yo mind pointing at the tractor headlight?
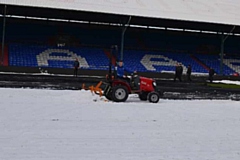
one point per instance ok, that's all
(154, 84)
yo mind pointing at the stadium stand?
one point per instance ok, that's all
(213, 61)
(95, 58)
(146, 50)
(56, 57)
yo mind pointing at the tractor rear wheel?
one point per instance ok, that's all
(119, 93)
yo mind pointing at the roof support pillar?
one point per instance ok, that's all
(223, 39)
(125, 26)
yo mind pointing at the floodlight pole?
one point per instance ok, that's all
(123, 34)
(223, 39)
(3, 36)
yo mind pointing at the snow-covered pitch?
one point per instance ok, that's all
(69, 125)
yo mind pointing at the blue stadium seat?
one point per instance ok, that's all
(95, 58)
(33, 56)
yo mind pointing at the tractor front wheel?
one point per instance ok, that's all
(153, 97)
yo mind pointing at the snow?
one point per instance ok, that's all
(228, 82)
(214, 11)
(59, 125)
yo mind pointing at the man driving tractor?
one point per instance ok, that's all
(120, 69)
(119, 86)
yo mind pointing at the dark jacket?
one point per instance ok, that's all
(179, 70)
(76, 64)
(189, 70)
(211, 72)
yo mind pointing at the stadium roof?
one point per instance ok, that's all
(214, 15)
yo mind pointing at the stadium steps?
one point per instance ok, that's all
(5, 55)
(108, 54)
(200, 62)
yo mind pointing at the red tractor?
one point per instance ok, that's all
(117, 90)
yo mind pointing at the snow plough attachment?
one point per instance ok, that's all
(94, 89)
